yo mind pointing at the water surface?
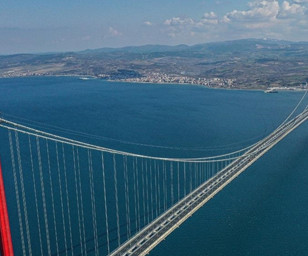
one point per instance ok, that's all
(263, 212)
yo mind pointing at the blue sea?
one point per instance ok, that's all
(262, 212)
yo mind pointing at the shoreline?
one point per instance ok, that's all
(91, 77)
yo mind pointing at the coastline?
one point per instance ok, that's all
(91, 77)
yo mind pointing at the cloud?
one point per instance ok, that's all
(114, 32)
(264, 14)
(261, 11)
(210, 15)
(262, 18)
(148, 23)
(300, 1)
(179, 21)
(260, 14)
(288, 10)
(209, 18)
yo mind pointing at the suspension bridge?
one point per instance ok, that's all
(76, 198)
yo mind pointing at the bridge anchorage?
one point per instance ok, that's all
(75, 198)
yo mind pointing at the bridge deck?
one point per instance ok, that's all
(144, 241)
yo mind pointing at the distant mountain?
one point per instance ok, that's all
(243, 45)
(140, 49)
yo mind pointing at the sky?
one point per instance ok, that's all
(34, 26)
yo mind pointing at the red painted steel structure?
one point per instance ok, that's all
(6, 245)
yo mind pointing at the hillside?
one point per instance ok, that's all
(250, 63)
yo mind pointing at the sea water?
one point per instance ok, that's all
(262, 212)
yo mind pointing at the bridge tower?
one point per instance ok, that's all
(6, 246)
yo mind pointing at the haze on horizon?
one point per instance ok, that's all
(33, 26)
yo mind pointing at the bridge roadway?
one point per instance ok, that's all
(151, 235)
